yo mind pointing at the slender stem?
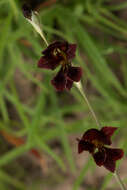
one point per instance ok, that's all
(44, 39)
(80, 88)
(122, 186)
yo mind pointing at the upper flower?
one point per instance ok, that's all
(94, 141)
(61, 53)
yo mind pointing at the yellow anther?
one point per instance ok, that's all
(97, 143)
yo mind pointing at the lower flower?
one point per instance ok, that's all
(95, 142)
(107, 157)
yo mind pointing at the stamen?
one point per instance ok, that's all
(58, 52)
(97, 143)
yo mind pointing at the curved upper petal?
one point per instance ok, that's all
(99, 135)
(108, 132)
(91, 134)
(68, 49)
(62, 45)
(74, 73)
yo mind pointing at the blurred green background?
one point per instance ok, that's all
(49, 121)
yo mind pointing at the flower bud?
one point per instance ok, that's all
(27, 11)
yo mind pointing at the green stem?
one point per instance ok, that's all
(80, 88)
(122, 186)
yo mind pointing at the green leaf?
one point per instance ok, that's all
(4, 34)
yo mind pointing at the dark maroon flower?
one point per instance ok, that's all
(95, 142)
(27, 12)
(61, 54)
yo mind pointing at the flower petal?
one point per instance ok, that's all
(91, 134)
(112, 154)
(68, 49)
(47, 63)
(100, 157)
(110, 165)
(63, 46)
(108, 132)
(71, 51)
(69, 84)
(82, 145)
(99, 137)
(59, 81)
(74, 73)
